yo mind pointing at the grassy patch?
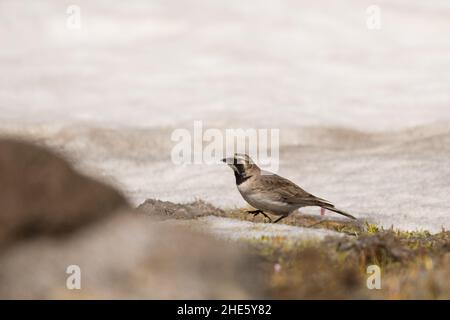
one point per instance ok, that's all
(413, 264)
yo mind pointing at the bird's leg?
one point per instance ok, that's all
(322, 211)
(265, 215)
(282, 217)
(256, 212)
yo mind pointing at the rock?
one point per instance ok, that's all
(130, 256)
(170, 210)
(47, 211)
(40, 193)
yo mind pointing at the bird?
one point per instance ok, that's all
(269, 193)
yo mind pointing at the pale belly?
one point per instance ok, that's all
(267, 205)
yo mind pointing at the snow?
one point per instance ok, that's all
(364, 115)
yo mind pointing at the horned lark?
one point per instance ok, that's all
(270, 193)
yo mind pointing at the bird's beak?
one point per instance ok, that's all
(228, 160)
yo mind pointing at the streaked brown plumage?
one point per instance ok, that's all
(270, 193)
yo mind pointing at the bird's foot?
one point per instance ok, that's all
(322, 211)
(256, 212)
(267, 219)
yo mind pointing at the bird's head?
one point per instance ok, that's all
(242, 165)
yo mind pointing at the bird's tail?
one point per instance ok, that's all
(331, 207)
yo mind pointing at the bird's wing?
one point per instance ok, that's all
(278, 188)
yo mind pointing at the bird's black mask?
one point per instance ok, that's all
(239, 169)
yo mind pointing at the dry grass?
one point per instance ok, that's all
(414, 265)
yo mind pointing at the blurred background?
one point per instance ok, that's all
(363, 112)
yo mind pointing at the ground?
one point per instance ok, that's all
(312, 257)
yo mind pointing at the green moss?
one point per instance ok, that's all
(372, 228)
(414, 264)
